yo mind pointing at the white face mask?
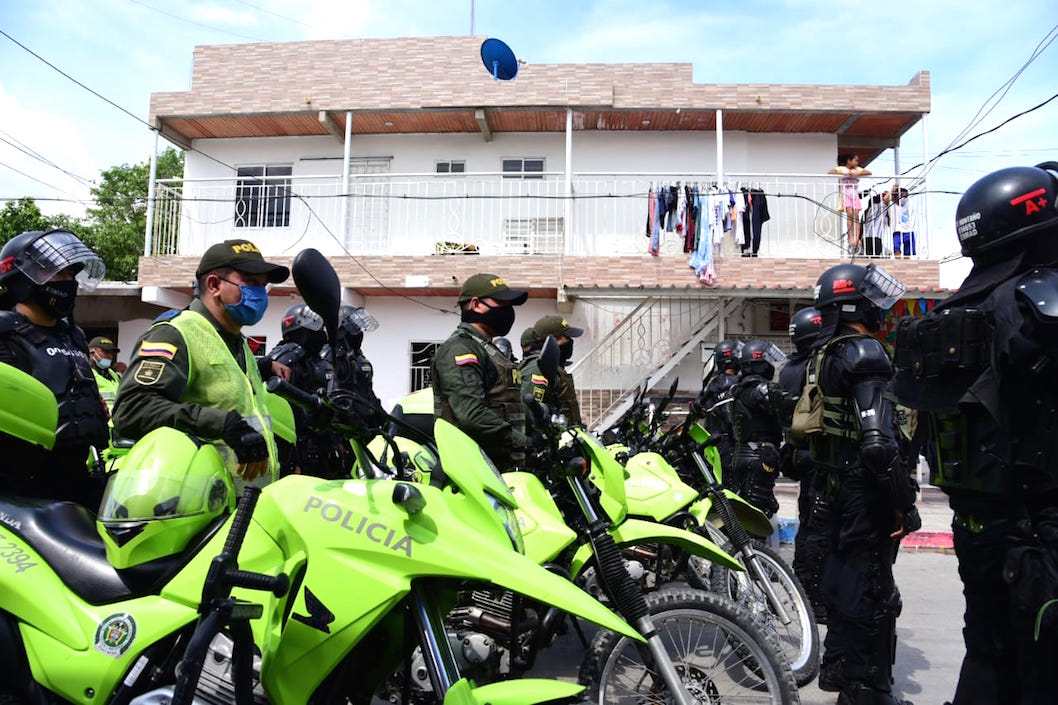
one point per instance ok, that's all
(104, 363)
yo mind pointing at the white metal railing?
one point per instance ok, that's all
(416, 214)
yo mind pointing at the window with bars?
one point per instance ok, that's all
(422, 354)
(523, 168)
(451, 167)
(262, 196)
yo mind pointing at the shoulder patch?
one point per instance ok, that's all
(466, 359)
(149, 372)
(151, 349)
(539, 380)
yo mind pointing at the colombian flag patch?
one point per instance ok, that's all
(467, 359)
(539, 379)
(149, 349)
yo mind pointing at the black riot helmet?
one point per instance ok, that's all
(29, 260)
(760, 358)
(353, 322)
(303, 326)
(852, 292)
(999, 211)
(726, 354)
(804, 327)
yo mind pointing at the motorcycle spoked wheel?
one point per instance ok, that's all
(721, 651)
(799, 640)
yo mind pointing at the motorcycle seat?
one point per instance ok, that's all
(64, 534)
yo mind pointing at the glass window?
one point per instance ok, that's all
(421, 358)
(452, 167)
(523, 168)
(262, 196)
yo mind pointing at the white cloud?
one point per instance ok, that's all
(57, 138)
(212, 13)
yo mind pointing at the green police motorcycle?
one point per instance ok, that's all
(701, 648)
(313, 591)
(674, 477)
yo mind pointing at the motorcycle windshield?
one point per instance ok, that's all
(610, 472)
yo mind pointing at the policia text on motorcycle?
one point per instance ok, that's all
(193, 370)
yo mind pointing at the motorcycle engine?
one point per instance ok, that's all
(215, 685)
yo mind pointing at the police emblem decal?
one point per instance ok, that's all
(115, 634)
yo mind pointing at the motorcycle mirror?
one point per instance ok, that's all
(318, 284)
(665, 402)
(548, 360)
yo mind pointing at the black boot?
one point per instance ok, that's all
(863, 694)
(832, 675)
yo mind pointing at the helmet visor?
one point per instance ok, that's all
(57, 250)
(310, 320)
(881, 288)
(363, 320)
(774, 355)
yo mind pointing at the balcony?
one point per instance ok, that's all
(485, 213)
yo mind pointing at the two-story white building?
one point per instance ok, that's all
(411, 168)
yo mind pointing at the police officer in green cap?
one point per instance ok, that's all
(476, 386)
(193, 369)
(560, 395)
(101, 352)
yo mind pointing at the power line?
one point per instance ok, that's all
(42, 159)
(275, 14)
(178, 18)
(33, 178)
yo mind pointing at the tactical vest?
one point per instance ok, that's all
(838, 444)
(58, 357)
(503, 395)
(108, 388)
(215, 380)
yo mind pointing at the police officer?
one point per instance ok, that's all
(810, 545)
(713, 404)
(980, 371)
(477, 387)
(561, 396)
(872, 496)
(353, 371)
(757, 426)
(101, 352)
(323, 455)
(193, 370)
(40, 273)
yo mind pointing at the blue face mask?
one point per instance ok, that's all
(251, 307)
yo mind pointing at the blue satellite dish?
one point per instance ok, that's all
(499, 59)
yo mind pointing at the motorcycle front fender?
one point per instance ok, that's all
(520, 691)
(755, 521)
(636, 531)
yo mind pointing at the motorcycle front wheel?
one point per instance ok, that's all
(720, 651)
(798, 640)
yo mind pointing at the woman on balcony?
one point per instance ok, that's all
(850, 171)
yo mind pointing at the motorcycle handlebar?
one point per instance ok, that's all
(298, 397)
(275, 584)
(241, 522)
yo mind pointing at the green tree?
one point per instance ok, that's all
(118, 219)
(18, 217)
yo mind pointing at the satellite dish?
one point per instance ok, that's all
(499, 59)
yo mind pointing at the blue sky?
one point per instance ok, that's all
(127, 49)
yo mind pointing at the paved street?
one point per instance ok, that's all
(929, 651)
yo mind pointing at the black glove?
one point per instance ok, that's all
(248, 443)
(535, 442)
(912, 520)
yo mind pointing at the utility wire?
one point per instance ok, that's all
(42, 159)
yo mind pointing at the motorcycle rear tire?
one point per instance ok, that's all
(721, 651)
(799, 641)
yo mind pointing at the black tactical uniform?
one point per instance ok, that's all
(757, 428)
(325, 455)
(871, 494)
(57, 355)
(352, 370)
(713, 404)
(476, 386)
(810, 545)
(979, 370)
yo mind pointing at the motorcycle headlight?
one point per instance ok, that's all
(509, 521)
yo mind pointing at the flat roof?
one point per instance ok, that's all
(439, 85)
